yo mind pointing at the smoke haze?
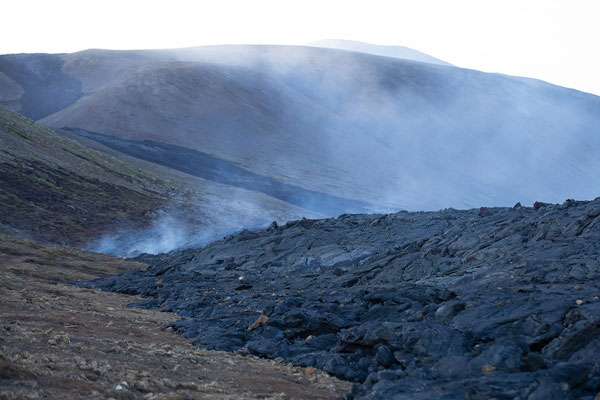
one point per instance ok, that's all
(351, 132)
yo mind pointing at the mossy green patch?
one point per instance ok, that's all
(66, 276)
(18, 132)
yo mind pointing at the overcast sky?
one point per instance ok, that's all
(553, 40)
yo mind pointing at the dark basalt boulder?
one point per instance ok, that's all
(485, 303)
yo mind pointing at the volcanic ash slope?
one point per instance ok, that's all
(392, 132)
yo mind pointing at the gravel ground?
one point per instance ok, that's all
(60, 341)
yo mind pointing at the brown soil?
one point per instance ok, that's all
(67, 206)
(59, 341)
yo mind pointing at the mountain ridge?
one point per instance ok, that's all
(394, 51)
(390, 132)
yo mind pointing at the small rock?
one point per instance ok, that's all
(310, 370)
(384, 356)
(116, 349)
(142, 385)
(538, 204)
(488, 368)
(449, 309)
(485, 212)
(261, 321)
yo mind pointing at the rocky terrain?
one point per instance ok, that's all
(62, 342)
(155, 150)
(485, 303)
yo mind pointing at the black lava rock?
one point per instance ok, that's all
(485, 303)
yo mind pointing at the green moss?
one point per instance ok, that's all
(93, 267)
(43, 181)
(34, 245)
(65, 276)
(18, 132)
(22, 118)
(7, 196)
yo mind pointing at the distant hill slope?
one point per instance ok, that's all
(53, 189)
(390, 132)
(44, 87)
(405, 53)
(213, 169)
(10, 92)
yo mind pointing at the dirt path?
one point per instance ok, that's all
(59, 341)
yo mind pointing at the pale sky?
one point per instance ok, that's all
(553, 40)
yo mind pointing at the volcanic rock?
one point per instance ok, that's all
(428, 305)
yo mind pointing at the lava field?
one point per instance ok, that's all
(484, 303)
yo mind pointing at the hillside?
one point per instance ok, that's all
(388, 133)
(54, 189)
(489, 303)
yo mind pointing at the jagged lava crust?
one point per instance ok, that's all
(476, 304)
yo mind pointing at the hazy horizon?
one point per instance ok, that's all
(548, 40)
